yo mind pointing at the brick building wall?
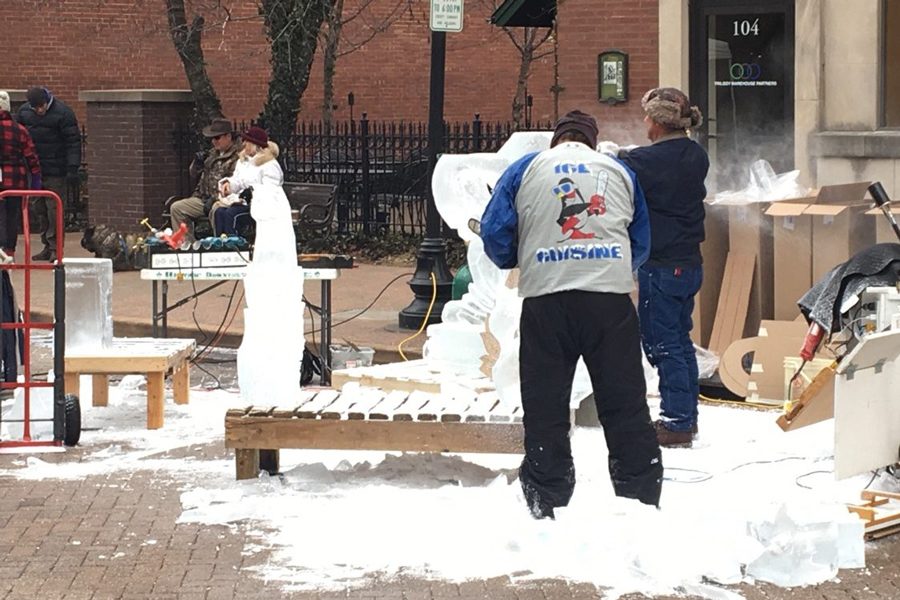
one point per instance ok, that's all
(133, 166)
(123, 44)
(589, 27)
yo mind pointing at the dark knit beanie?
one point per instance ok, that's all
(671, 108)
(37, 96)
(578, 121)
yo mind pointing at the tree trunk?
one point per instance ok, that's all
(520, 99)
(332, 40)
(292, 27)
(187, 43)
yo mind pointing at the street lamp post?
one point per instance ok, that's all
(431, 259)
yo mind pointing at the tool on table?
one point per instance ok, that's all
(811, 342)
(167, 236)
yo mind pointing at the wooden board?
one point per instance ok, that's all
(814, 405)
(405, 436)
(132, 355)
(409, 376)
(880, 511)
(734, 300)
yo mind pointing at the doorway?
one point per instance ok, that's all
(742, 78)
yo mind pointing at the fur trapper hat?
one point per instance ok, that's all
(671, 108)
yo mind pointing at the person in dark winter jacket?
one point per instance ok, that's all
(54, 129)
(672, 171)
(575, 223)
(219, 163)
(19, 169)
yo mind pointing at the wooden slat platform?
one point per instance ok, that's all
(153, 357)
(368, 419)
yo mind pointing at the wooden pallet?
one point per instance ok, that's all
(154, 357)
(372, 419)
(880, 511)
(415, 375)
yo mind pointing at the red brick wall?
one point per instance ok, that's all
(587, 28)
(133, 166)
(123, 44)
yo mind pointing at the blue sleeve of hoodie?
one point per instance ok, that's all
(639, 230)
(500, 222)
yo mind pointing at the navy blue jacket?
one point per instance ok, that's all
(56, 136)
(672, 173)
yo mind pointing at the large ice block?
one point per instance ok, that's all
(89, 322)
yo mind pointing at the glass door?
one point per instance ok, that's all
(742, 78)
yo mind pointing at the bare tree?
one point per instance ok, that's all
(292, 27)
(532, 39)
(187, 40)
(336, 44)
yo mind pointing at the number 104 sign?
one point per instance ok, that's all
(446, 15)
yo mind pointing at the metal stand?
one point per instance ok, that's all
(160, 310)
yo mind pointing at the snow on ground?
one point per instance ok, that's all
(747, 502)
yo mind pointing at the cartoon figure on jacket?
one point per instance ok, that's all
(575, 212)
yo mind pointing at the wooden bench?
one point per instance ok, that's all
(314, 204)
(371, 419)
(154, 357)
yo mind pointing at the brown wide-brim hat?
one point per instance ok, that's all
(218, 127)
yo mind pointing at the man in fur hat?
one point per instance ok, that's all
(672, 171)
(574, 221)
(218, 165)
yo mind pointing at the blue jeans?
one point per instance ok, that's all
(665, 306)
(227, 218)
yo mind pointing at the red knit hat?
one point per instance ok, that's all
(256, 135)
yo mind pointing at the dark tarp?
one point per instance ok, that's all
(875, 266)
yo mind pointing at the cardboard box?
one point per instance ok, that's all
(714, 250)
(835, 227)
(792, 242)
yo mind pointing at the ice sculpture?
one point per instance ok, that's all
(89, 322)
(462, 184)
(272, 348)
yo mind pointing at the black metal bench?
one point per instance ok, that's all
(314, 204)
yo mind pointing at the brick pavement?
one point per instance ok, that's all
(116, 536)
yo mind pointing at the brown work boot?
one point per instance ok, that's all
(45, 254)
(672, 439)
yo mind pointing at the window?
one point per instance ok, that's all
(891, 63)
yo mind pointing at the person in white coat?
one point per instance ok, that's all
(271, 351)
(256, 166)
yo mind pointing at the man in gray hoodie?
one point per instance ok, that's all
(575, 223)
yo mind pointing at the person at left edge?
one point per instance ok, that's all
(575, 222)
(57, 139)
(18, 160)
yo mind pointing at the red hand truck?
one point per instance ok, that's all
(66, 408)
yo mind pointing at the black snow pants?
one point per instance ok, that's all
(603, 328)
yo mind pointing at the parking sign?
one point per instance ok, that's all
(446, 15)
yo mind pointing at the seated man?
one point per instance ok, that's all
(219, 164)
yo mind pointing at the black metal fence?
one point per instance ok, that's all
(380, 168)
